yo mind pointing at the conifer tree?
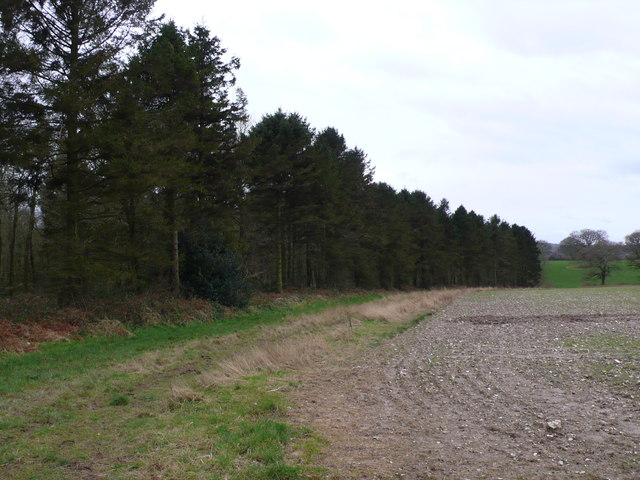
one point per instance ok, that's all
(281, 169)
(527, 267)
(344, 174)
(61, 55)
(175, 149)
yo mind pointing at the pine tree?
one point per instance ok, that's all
(528, 269)
(170, 149)
(338, 258)
(427, 237)
(219, 112)
(280, 171)
(62, 55)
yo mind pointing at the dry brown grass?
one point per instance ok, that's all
(181, 394)
(337, 324)
(301, 341)
(404, 307)
(397, 308)
(292, 353)
(153, 362)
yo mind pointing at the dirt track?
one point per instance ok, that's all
(511, 385)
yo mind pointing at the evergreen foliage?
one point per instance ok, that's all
(210, 270)
(120, 135)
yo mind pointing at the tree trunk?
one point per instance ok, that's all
(12, 245)
(279, 285)
(174, 247)
(175, 263)
(29, 270)
(291, 271)
(73, 282)
(310, 279)
(130, 214)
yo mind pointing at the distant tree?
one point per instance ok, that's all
(569, 248)
(389, 236)
(596, 251)
(546, 250)
(471, 250)
(573, 247)
(632, 243)
(528, 268)
(427, 237)
(599, 258)
(337, 247)
(280, 174)
(590, 237)
(503, 252)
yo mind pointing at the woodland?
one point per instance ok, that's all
(128, 163)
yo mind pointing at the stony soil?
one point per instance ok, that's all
(541, 384)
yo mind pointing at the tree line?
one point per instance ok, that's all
(128, 162)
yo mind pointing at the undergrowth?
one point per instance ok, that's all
(27, 321)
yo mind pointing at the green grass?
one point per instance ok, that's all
(571, 274)
(60, 361)
(379, 331)
(231, 432)
(136, 407)
(75, 409)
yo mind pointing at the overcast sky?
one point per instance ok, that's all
(529, 109)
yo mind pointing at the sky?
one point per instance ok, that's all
(528, 109)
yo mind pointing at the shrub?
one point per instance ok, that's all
(210, 270)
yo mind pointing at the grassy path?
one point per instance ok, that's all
(109, 407)
(150, 406)
(62, 361)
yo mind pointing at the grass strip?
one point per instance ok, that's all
(60, 361)
(381, 330)
(122, 423)
(233, 432)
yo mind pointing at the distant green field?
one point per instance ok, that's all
(571, 274)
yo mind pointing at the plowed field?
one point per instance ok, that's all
(515, 384)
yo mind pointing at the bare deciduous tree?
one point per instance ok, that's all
(632, 243)
(595, 249)
(599, 258)
(546, 250)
